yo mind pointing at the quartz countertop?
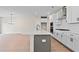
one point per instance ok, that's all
(42, 33)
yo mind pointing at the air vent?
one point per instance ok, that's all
(43, 16)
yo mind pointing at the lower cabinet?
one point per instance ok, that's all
(42, 43)
(63, 38)
(67, 40)
(70, 41)
(58, 36)
(76, 44)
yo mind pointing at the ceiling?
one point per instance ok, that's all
(27, 10)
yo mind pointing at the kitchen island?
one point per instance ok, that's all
(42, 42)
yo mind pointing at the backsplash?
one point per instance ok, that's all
(72, 27)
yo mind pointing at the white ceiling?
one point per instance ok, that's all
(27, 10)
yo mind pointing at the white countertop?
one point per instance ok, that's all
(45, 33)
(42, 33)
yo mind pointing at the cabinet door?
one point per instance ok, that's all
(58, 36)
(76, 43)
(63, 38)
(60, 13)
(75, 14)
(72, 14)
(70, 41)
(69, 14)
(42, 43)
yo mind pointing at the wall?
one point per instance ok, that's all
(21, 25)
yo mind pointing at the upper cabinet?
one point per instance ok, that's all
(72, 14)
(61, 13)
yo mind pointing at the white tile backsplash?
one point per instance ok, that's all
(74, 28)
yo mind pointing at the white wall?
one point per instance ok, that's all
(21, 25)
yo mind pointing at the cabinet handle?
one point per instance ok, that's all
(43, 40)
(71, 39)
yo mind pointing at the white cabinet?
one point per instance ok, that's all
(73, 42)
(76, 43)
(58, 35)
(69, 14)
(70, 41)
(60, 13)
(72, 14)
(67, 39)
(64, 38)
